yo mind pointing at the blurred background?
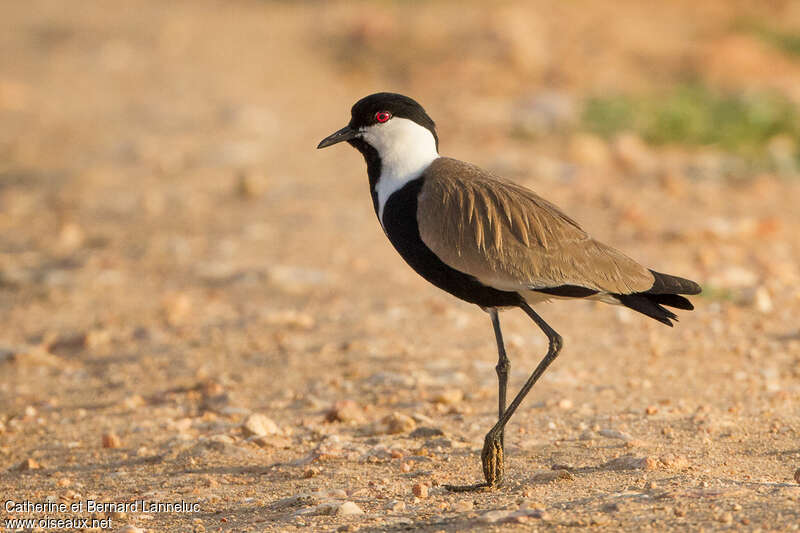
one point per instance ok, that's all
(170, 237)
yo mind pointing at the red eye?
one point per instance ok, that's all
(382, 116)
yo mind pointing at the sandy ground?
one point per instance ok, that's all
(197, 306)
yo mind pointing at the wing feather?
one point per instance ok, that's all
(512, 239)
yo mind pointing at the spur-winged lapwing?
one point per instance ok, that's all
(489, 241)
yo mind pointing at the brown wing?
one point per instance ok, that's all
(511, 239)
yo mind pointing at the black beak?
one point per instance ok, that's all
(344, 134)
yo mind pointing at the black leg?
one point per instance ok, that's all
(492, 454)
(502, 368)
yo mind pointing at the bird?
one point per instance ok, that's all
(490, 242)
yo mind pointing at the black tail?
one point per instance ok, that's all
(665, 291)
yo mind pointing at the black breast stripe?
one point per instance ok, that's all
(374, 165)
(400, 224)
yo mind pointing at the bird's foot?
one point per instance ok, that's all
(493, 465)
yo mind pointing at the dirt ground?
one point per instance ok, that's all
(197, 306)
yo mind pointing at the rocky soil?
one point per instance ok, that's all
(199, 307)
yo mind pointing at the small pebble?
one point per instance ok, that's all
(221, 439)
(345, 411)
(449, 396)
(420, 491)
(425, 432)
(259, 425)
(28, 464)
(349, 508)
(565, 404)
(111, 440)
(675, 462)
(398, 423)
(396, 505)
(797, 475)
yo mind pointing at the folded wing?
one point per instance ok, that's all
(511, 239)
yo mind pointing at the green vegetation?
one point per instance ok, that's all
(786, 41)
(719, 294)
(694, 114)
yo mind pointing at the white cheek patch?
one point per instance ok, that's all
(406, 149)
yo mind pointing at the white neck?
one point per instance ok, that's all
(405, 148)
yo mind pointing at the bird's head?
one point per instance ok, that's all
(391, 124)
